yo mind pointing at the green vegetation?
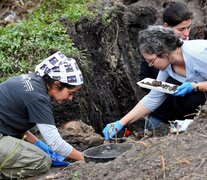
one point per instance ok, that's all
(75, 175)
(25, 44)
(109, 13)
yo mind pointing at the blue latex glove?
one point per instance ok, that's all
(184, 89)
(110, 130)
(57, 159)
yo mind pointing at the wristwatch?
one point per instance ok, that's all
(197, 87)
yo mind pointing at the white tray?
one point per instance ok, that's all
(157, 88)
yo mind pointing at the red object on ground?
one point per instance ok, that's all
(127, 132)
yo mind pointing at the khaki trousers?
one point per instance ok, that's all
(20, 159)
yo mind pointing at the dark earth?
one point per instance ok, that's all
(161, 84)
(109, 41)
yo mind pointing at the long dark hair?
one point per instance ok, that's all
(176, 12)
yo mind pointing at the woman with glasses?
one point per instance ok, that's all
(184, 61)
(177, 16)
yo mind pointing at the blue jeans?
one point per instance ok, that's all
(152, 122)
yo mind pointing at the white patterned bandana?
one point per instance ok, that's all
(60, 68)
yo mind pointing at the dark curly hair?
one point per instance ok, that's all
(158, 40)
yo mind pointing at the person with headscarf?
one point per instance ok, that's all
(26, 101)
(184, 61)
(178, 16)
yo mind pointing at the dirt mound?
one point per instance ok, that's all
(172, 157)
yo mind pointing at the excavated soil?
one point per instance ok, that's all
(179, 156)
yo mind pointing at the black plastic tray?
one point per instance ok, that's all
(105, 152)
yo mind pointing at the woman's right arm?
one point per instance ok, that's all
(138, 112)
(147, 104)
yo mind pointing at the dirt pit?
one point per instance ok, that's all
(173, 157)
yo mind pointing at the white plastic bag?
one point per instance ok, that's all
(179, 125)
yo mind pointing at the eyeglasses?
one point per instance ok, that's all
(151, 62)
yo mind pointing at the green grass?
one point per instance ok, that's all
(27, 43)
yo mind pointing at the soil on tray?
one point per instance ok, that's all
(162, 85)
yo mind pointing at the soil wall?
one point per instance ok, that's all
(109, 41)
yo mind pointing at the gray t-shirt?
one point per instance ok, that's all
(23, 103)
